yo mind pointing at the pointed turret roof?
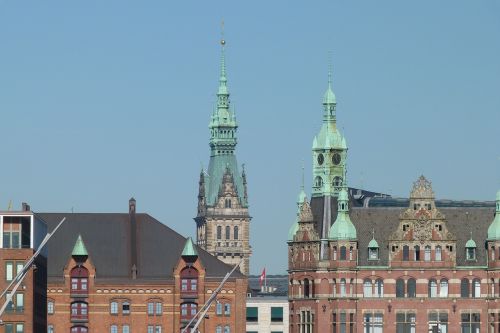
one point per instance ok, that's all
(494, 229)
(373, 244)
(189, 249)
(343, 228)
(79, 249)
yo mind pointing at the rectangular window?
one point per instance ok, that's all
(277, 314)
(126, 329)
(151, 308)
(19, 328)
(10, 306)
(252, 314)
(50, 329)
(405, 322)
(15, 245)
(113, 329)
(6, 243)
(19, 266)
(114, 308)
(9, 270)
(373, 323)
(126, 308)
(438, 322)
(50, 307)
(19, 302)
(159, 309)
(184, 284)
(157, 329)
(9, 328)
(470, 322)
(151, 329)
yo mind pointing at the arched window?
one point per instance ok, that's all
(79, 280)
(438, 253)
(227, 329)
(219, 232)
(218, 308)
(350, 253)
(416, 253)
(400, 288)
(318, 182)
(432, 288)
(343, 292)
(476, 288)
(113, 307)
(471, 253)
(367, 288)
(218, 329)
(492, 287)
(79, 311)
(113, 329)
(79, 329)
(412, 288)
(443, 288)
(228, 232)
(492, 253)
(235, 232)
(189, 280)
(373, 253)
(464, 288)
(307, 290)
(406, 253)
(334, 288)
(188, 310)
(343, 253)
(379, 288)
(427, 253)
(334, 253)
(337, 181)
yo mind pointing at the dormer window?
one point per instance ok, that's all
(373, 253)
(470, 249)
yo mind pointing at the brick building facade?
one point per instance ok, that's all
(387, 269)
(21, 233)
(124, 273)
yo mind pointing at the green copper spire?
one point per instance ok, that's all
(223, 142)
(342, 228)
(79, 249)
(494, 229)
(329, 149)
(189, 249)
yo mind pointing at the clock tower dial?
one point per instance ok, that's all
(321, 159)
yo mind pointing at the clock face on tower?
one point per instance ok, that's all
(320, 159)
(336, 158)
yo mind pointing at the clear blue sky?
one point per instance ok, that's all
(104, 100)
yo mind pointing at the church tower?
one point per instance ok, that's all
(222, 221)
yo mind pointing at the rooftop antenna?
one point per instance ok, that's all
(9, 207)
(302, 174)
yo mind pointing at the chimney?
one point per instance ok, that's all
(133, 237)
(26, 207)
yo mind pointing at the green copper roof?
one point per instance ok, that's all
(300, 200)
(342, 228)
(79, 249)
(329, 97)
(494, 228)
(373, 244)
(189, 249)
(223, 142)
(293, 230)
(470, 243)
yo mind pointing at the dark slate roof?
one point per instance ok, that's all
(384, 220)
(405, 202)
(107, 239)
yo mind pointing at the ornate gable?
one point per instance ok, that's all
(228, 193)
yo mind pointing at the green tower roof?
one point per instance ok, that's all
(189, 249)
(373, 244)
(494, 228)
(79, 249)
(470, 243)
(342, 228)
(293, 230)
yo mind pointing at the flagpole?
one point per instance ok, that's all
(265, 280)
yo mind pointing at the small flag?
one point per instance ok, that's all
(262, 277)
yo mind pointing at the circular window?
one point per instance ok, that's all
(321, 159)
(336, 158)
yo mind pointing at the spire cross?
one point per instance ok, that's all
(330, 69)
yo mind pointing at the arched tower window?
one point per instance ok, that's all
(400, 288)
(432, 288)
(367, 288)
(438, 253)
(464, 288)
(307, 288)
(189, 281)
(334, 253)
(343, 254)
(337, 181)
(227, 203)
(219, 232)
(228, 232)
(343, 288)
(318, 182)
(235, 232)
(379, 288)
(412, 288)
(416, 253)
(79, 280)
(476, 288)
(427, 253)
(406, 253)
(443, 288)
(350, 253)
